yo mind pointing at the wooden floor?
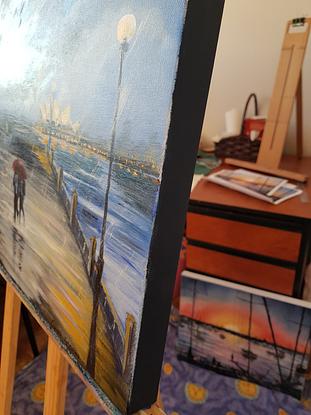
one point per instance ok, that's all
(24, 353)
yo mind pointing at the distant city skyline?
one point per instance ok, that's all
(38, 64)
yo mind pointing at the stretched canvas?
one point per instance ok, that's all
(246, 333)
(101, 105)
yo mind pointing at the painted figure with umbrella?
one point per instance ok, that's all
(19, 187)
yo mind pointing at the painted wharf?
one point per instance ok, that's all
(56, 134)
(122, 340)
(38, 216)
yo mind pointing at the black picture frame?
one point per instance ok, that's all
(196, 60)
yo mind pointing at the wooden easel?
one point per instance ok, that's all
(56, 368)
(288, 85)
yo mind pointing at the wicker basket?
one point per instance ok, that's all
(240, 146)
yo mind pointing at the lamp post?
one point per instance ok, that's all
(125, 31)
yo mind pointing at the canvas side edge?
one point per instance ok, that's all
(194, 73)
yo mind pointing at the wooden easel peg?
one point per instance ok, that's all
(290, 175)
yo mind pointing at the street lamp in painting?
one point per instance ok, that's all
(126, 29)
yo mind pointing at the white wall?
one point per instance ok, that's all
(246, 61)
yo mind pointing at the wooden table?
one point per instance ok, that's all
(239, 238)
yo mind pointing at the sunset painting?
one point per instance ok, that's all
(86, 96)
(245, 335)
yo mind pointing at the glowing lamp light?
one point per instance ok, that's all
(126, 28)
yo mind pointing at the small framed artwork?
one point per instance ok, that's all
(101, 106)
(246, 333)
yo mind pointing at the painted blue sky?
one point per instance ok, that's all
(69, 49)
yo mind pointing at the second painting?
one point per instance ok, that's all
(245, 333)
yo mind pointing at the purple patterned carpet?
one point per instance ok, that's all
(185, 390)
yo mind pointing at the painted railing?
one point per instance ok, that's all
(122, 340)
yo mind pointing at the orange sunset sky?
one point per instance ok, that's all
(230, 309)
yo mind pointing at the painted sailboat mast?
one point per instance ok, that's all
(190, 354)
(273, 338)
(296, 343)
(306, 348)
(247, 352)
(249, 332)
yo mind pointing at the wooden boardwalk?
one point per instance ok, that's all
(42, 255)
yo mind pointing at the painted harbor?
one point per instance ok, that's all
(245, 335)
(64, 218)
(71, 170)
(225, 352)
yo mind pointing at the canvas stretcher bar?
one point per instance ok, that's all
(56, 368)
(288, 85)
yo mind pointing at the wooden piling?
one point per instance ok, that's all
(128, 341)
(74, 204)
(60, 176)
(92, 254)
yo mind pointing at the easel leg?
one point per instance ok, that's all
(299, 121)
(9, 349)
(56, 381)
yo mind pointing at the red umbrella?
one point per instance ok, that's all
(19, 168)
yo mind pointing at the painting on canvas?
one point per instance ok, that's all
(245, 333)
(91, 98)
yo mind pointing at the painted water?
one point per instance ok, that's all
(132, 202)
(227, 353)
(42, 254)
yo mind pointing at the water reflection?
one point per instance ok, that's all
(18, 245)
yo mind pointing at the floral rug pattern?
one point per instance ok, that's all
(185, 390)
